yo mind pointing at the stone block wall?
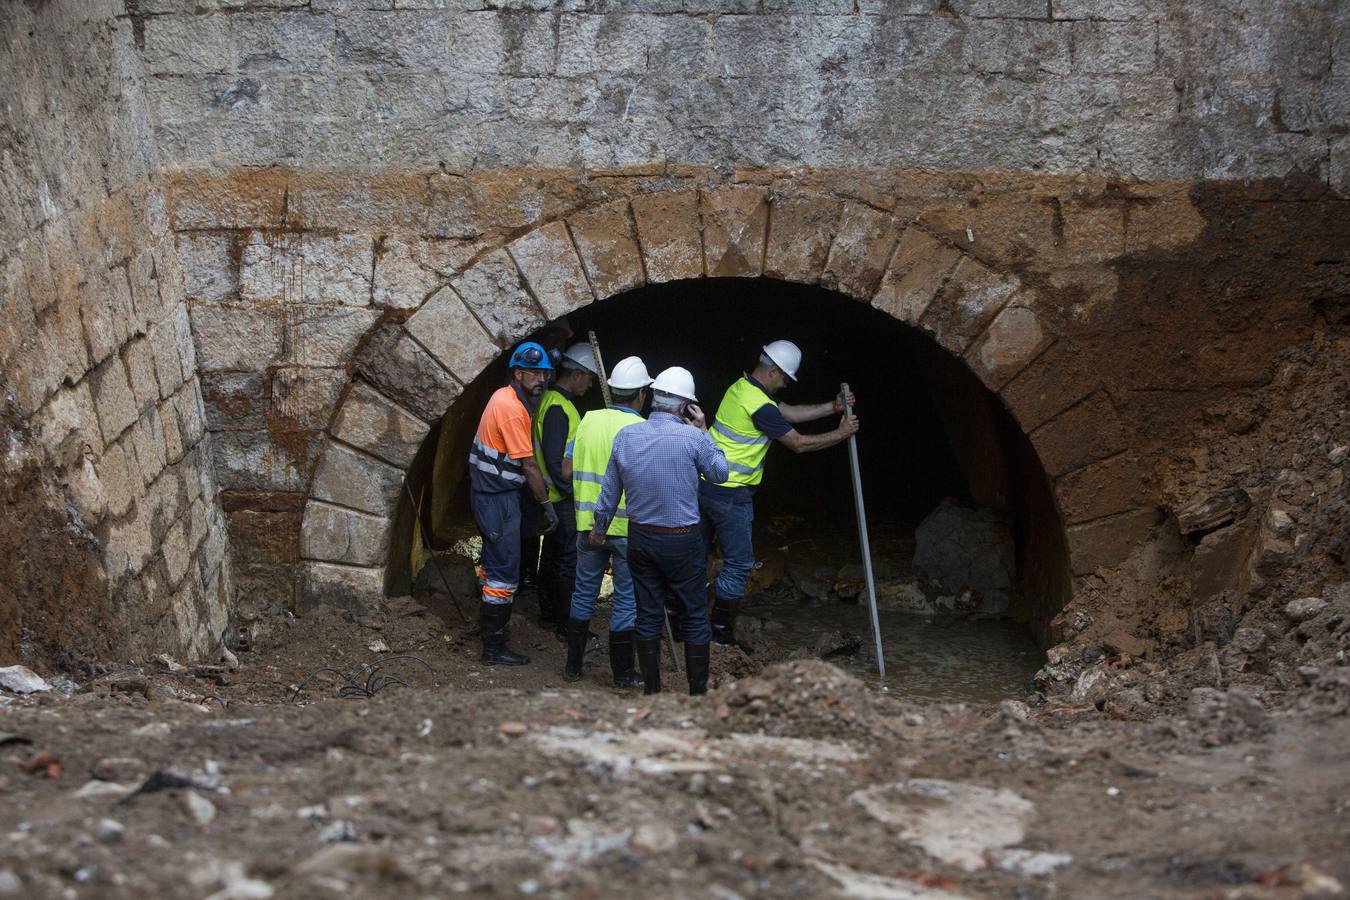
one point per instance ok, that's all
(106, 432)
(1154, 89)
(252, 249)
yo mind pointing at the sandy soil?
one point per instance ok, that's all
(796, 781)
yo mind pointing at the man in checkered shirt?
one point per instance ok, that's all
(655, 467)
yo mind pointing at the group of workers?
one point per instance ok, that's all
(646, 498)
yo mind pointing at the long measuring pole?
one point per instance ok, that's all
(866, 547)
(604, 392)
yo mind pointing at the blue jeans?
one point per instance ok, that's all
(669, 563)
(498, 519)
(591, 564)
(729, 516)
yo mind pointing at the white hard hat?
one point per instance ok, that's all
(629, 375)
(580, 356)
(785, 355)
(675, 380)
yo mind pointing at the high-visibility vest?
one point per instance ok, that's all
(547, 402)
(591, 450)
(734, 432)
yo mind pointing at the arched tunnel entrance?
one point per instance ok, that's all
(955, 494)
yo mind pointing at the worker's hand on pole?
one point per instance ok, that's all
(550, 517)
(848, 426)
(844, 401)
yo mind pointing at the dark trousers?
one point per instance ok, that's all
(529, 535)
(558, 564)
(673, 563)
(498, 520)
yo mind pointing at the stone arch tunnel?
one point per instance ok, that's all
(934, 430)
(225, 340)
(970, 309)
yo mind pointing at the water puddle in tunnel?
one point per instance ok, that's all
(945, 659)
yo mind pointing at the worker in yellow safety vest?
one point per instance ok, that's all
(747, 421)
(555, 426)
(589, 456)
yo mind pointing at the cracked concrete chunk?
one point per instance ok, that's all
(955, 822)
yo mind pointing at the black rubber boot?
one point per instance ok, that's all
(649, 658)
(578, 633)
(621, 658)
(724, 622)
(562, 589)
(492, 625)
(696, 664)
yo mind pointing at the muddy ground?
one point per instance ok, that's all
(789, 779)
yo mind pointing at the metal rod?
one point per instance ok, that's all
(604, 392)
(862, 537)
(599, 367)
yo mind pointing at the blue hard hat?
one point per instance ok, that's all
(531, 355)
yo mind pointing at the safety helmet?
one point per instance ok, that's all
(579, 356)
(629, 375)
(530, 355)
(677, 381)
(785, 355)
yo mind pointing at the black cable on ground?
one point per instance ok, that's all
(353, 689)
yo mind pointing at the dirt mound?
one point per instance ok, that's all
(808, 698)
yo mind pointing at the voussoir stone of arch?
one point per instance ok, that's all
(350, 478)
(372, 422)
(1010, 342)
(917, 271)
(1057, 379)
(495, 290)
(668, 233)
(801, 230)
(338, 534)
(401, 369)
(861, 248)
(1104, 488)
(734, 222)
(1082, 434)
(449, 332)
(344, 586)
(609, 251)
(971, 298)
(1107, 542)
(550, 265)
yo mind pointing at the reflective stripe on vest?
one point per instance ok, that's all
(494, 462)
(593, 446)
(547, 402)
(734, 432)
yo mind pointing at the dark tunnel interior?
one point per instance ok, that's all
(930, 429)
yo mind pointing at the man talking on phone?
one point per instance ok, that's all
(655, 468)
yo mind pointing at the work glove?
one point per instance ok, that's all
(550, 516)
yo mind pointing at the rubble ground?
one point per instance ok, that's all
(795, 780)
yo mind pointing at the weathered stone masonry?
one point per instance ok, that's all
(358, 205)
(97, 361)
